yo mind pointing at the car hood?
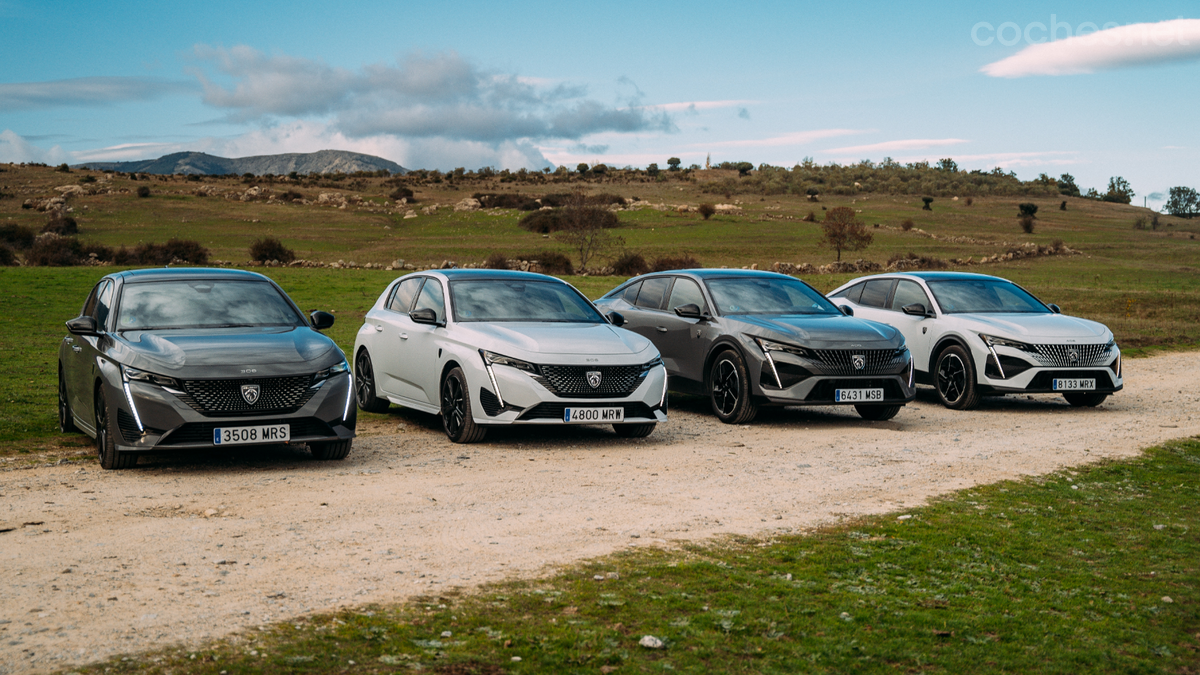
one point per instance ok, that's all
(1035, 327)
(229, 352)
(555, 338)
(823, 331)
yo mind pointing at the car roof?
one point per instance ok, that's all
(721, 273)
(183, 273)
(456, 274)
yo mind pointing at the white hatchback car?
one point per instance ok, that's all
(486, 348)
(973, 334)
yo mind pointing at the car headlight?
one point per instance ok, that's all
(769, 346)
(993, 341)
(494, 359)
(134, 375)
(323, 375)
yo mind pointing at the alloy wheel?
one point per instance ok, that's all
(454, 407)
(952, 377)
(726, 387)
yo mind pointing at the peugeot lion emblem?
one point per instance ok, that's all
(859, 361)
(593, 378)
(250, 393)
(1073, 355)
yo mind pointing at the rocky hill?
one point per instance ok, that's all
(323, 161)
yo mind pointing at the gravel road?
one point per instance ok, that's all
(187, 548)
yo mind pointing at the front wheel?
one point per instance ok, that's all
(1084, 399)
(456, 410)
(106, 446)
(66, 419)
(877, 413)
(729, 389)
(364, 385)
(331, 449)
(634, 430)
(956, 385)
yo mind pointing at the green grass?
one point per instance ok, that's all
(1089, 570)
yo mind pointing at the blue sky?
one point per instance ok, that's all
(441, 85)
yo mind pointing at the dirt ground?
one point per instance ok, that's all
(191, 547)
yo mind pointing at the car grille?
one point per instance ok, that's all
(554, 411)
(1072, 356)
(202, 432)
(277, 395)
(841, 361)
(615, 381)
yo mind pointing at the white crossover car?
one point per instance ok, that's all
(973, 335)
(486, 348)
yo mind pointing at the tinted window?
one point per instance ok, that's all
(686, 292)
(767, 295)
(875, 292)
(204, 303)
(431, 298)
(631, 292)
(89, 306)
(402, 298)
(852, 294)
(103, 304)
(653, 290)
(907, 293)
(984, 295)
(520, 300)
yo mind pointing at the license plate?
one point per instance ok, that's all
(265, 433)
(857, 395)
(1075, 384)
(593, 415)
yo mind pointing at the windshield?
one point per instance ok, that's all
(205, 303)
(758, 295)
(520, 300)
(984, 296)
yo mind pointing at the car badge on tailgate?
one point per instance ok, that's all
(859, 361)
(593, 378)
(250, 392)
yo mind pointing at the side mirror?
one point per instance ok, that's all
(846, 309)
(689, 311)
(615, 318)
(915, 309)
(425, 316)
(1054, 308)
(321, 320)
(83, 325)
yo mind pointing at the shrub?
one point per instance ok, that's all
(16, 236)
(290, 195)
(907, 224)
(270, 248)
(652, 170)
(62, 225)
(1027, 209)
(143, 191)
(100, 252)
(507, 200)
(970, 201)
(921, 261)
(600, 169)
(630, 264)
(581, 167)
(604, 199)
(87, 179)
(544, 222)
(55, 251)
(707, 210)
(63, 168)
(7, 257)
(680, 262)
(1139, 223)
(403, 193)
(1063, 206)
(1027, 224)
(928, 201)
(496, 261)
(810, 218)
(551, 262)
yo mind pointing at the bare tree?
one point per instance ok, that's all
(844, 232)
(585, 229)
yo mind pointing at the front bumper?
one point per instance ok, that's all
(1018, 372)
(149, 418)
(809, 382)
(524, 399)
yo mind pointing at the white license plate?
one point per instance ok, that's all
(265, 433)
(857, 395)
(1074, 384)
(593, 415)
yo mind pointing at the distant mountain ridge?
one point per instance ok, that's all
(322, 161)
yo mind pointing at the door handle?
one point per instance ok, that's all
(77, 349)
(404, 336)
(378, 328)
(661, 329)
(68, 340)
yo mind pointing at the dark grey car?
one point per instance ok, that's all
(747, 339)
(163, 359)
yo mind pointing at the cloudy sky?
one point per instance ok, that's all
(1095, 89)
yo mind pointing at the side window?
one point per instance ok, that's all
(103, 303)
(631, 292)
(686, 292)
(431, 298)
(402, 298)
(852, 294)
(89, 306)
(875, 292)
(907, 293)
(653, 292)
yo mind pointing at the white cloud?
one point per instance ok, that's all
(15, 149)
(893, 146)
(1123, 46)
(85, 91)
(692, 106)
(795, 138)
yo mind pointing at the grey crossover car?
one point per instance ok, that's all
(747, 339)
(162, 359)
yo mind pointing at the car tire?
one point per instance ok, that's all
(729, 389)
(634, 430)
(460, 427)
(877, 413)
(106, 445)
(954, 378)
(1084, 399)
(364, 385)
(330, 449)
(66, 419)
